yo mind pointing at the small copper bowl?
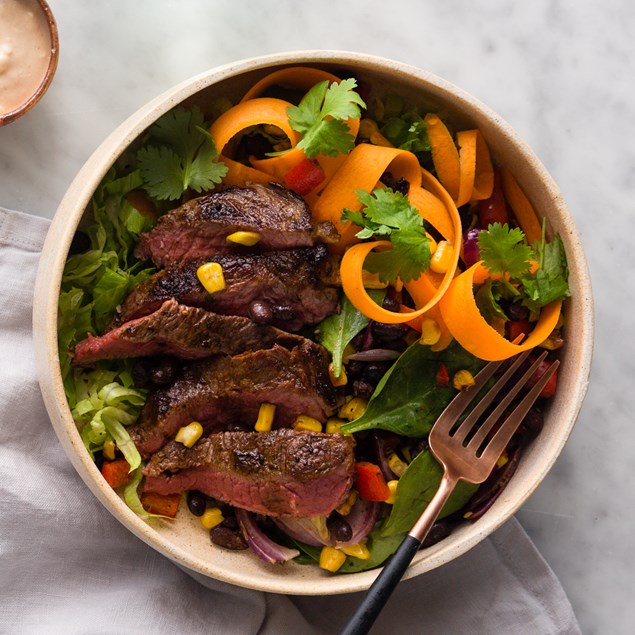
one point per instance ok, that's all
(12, 115)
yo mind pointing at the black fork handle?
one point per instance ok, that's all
(377, 595)
(385, 583)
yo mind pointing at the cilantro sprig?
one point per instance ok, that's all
(179, 155)
(320, 117)
(504, 251)
(389, 214)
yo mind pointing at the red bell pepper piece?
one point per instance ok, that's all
(493, 209)
(550, 387)
(162, 504)
(371, 483)
(304, 177)
(443, 376)
(515, 328)
(116, 473)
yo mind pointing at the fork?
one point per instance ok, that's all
(467, 452)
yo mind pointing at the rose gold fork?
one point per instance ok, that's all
(467, 452)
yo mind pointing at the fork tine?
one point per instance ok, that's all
(454, 409)
(486, 427)
(504, 434)
(479, 408)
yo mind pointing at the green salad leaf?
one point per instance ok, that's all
(389, 214)
(320, 118)
(179, 155)
(418, 484)
(407, 132)
(381, 547)
(504, 251)
(408, 400)
(337, 330)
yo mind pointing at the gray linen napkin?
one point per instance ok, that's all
(67, 566)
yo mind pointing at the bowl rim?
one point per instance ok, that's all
(16, 113)
(47, 287)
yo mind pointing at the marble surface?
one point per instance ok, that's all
(560, 72)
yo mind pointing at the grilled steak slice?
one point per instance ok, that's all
(185, 332)
(224, 391)
(199, 228)
(279, 472)
(283, 288)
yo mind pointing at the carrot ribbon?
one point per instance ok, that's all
(470, 329)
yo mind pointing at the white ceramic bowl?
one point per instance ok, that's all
(183, 540)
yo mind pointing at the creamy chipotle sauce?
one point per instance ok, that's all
(25, 51)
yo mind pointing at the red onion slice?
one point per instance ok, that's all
(260, 544)
(362, 518)
(304, 530)
(374, 355)
(471, 251)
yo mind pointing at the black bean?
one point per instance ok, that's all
(396, 185)
(375, 371)
(164, 372)
(395, 345)
(231, 522)
(339, 528)
(227, 538)
(516, 311)
(196, 502)
(388, 332)
(140, 374)
(354, 369)
(391, 303)
(284, 313)
(362, 388)
(534, 421)
(260, 312)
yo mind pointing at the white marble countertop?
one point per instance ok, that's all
(560, 72)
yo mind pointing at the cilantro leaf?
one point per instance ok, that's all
(487, 298)
(320, 116)
(502, 250)
(184, 158)
(550, 282)
(388, 213)
(408, 132)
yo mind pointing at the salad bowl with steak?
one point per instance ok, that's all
(274, 293)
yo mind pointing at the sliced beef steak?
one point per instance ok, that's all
(224, 391)
(283, 288)
(279, 472)
(199, 229)
(185, 332)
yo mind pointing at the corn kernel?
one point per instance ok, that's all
(249, 239)
(266, 414)
(442, 258)
(272, 130)
(304, 422)
(396, 464)
(345, 508)
(353, 409)
(342, 380)
(463, 379)
(334, 425)
(331, 559)
(398, 285)
(554, 341)
(392, 486)
(212, 517)
(502, 460)
(372, 281)
(211, 277)
(360, 550)
(432, 243)
(109, 449)
(430, 332)
(190, 434)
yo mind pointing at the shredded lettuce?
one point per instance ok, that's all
(103, 401)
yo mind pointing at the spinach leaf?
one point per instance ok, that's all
(416, 488)
(408, 400)
(308, 553)
(380, 547)
(336, 331)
